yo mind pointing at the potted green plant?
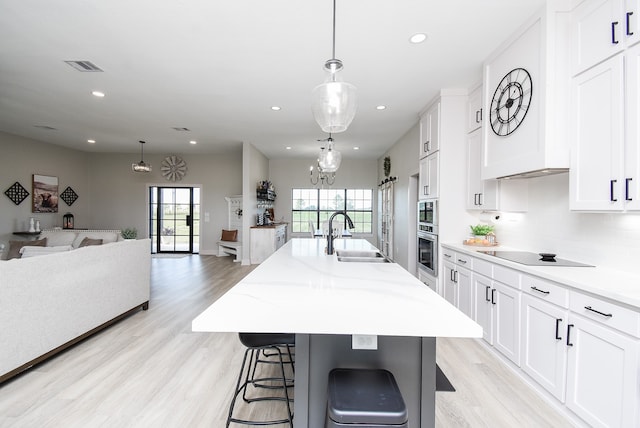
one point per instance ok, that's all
(129, 233)
(479, 232)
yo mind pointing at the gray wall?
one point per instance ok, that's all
(111, 196)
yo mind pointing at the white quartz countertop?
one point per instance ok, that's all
(621, 287)
(300, 289)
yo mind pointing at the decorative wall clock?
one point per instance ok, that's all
(511, 101)
(173, 168)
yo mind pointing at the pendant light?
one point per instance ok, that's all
(141, 166)
(329, 159)
(334, 102)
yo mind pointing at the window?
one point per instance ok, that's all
(315, 206)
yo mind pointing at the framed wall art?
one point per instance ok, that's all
(17, 193)
(45, 194)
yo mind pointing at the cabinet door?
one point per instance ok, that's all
(481, 194)
(429, 187)
(430, 131)
(506, 326)
(602, 376)
(632, 22)
(544, 353)
(482, 306)
(598, 31)
(465, 291)
(449, 290)
(631, 186)
(474, 110)
(597, 126)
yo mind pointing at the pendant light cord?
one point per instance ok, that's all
(334, 30)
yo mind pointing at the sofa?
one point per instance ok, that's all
(51, 301)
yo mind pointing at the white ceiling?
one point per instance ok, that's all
(216, 68)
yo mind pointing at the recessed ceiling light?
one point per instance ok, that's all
(98, 94)
(381, 107)
(91, 141)
(275, 108)
(356, 148)
(418, 38)
(288, 147)
(193, 142)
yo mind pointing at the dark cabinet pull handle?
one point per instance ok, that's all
(479, 198)
(611, 184)
(493, 294)
(480, 114)
(629, 33)
(475, 199)
(464, 262)
(626, 189)
(486, 293)
(589, 308)
(426, 190)
(613, 32)
(447, 255)
(426, 147)
(558, 321)
(534, 288)
(569, 335)
(451, 277)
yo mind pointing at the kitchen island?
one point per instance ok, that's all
(300, 289)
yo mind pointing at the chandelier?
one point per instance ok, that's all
(141, 166)
(334, 101)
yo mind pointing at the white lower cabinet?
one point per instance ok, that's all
(582, 349)
(544, 353)
(602, 375)
(266, 240)
(457, 284)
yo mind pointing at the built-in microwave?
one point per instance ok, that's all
(428, 216)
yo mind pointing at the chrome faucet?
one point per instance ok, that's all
(330, 235)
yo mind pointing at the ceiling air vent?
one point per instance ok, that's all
(84, 66)
(180, 129)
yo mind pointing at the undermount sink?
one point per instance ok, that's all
(360, 256)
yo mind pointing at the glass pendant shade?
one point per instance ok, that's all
(329, 159)
(334, 104)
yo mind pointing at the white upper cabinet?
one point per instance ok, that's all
(605, 159)
(601, 29)
(525, 94)
(481, 194)
(474, 109)
(598, 119)
(429, 177)
(430, 130)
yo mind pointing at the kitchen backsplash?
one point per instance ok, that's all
(603, 239)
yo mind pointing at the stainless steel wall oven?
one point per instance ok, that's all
(428, 237)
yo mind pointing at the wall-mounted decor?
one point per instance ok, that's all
(45, 194)
(16, 193)
(173, 168)
(68, 196)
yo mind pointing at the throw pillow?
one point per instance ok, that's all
(229, 235)
(15, 246)
(88, 241)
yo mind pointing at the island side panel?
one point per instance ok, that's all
(410, 359)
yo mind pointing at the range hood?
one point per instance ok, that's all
(537, 173)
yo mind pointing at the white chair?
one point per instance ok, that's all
(325, 229)
(337, 230)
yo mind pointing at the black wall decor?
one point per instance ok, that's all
(68, 196)
(17, 193)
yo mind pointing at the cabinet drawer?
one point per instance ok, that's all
(607, 313)
(464, 260)
(483, 267)
(506, 276)
(448, 255)
(545, 290)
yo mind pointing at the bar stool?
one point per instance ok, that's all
(277, 344)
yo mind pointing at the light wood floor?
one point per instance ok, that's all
(151, 370)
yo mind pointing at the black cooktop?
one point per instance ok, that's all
(534, 259)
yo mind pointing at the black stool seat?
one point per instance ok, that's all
(259, 340)
(364, 398)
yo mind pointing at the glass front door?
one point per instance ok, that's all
(174, 217)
